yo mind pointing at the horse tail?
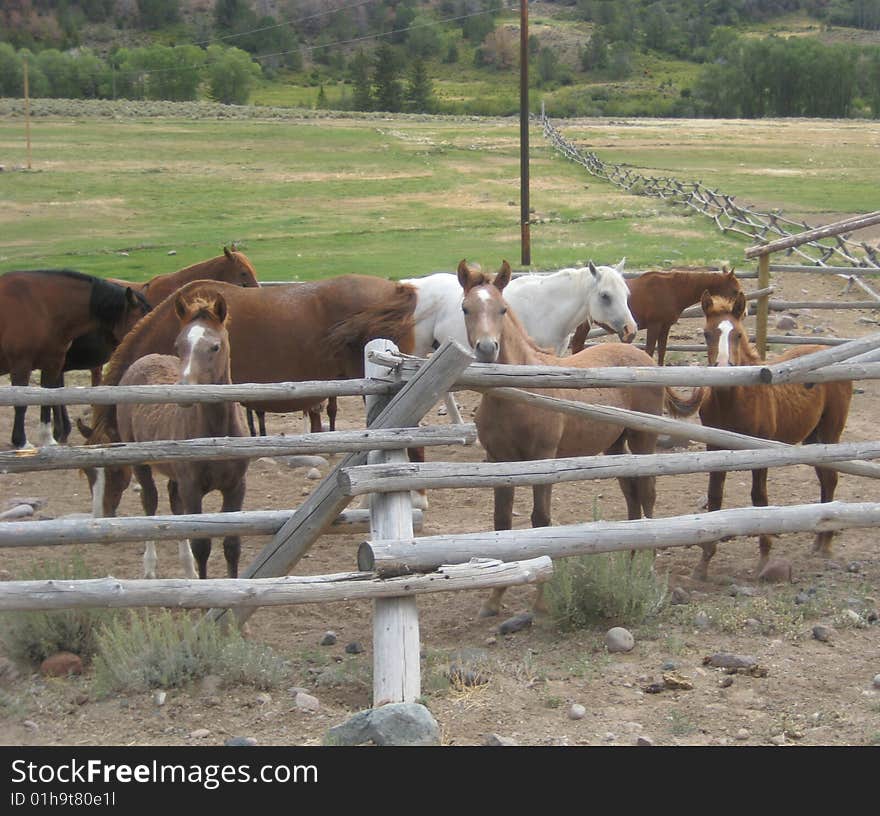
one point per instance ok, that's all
(679, 405)
(392, 318)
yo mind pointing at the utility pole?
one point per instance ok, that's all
(524, 132)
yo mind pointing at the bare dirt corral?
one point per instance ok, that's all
(814, 692)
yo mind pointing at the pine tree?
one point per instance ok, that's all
(389, 92)
(420, 89)
(363, 88)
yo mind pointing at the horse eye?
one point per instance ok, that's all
(606, 298)
(504, 310)
(464, 309)
(215, 347)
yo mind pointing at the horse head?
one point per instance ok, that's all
(241, 271)
(726, 340)
(202, 343)
(607, 300)
(134, 307)
(484, 309)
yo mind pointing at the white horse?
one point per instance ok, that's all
(550, 307)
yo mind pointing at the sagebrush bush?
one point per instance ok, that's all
(593, 589)
(34, 636)
(160, 650)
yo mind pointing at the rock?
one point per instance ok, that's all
(200, 733)
(516, 623)
(802, 598)
(619, 639)
(701, 620)
(669, 665)
(31, 725)
(779, 739)
(354, 648)
(742, 734)
(736, 591)
(33, 501)
(20, 511)
(392, 724)
(725, 660)
(577, 712)
(776, 571)
(853, 618)
(314, 474)
(460, 675)
(306, 702)
(676, 682)
(264, 698)
(876, 681)
(680, 596)
(172, 251)
(329, 639)
(786, 323)
(8, 672)
(752, 624)
(240, 742)
(644, 741)
(497, 740)
(726, 681)
(854, 566)
(823, 633)
(61, 664)
(159, 697)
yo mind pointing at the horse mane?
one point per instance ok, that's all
(109, 300)
(527, 338)
(393, 318)
(201, 307)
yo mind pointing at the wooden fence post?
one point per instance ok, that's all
(396, 646)
(763, 312)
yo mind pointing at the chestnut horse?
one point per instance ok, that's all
(90, 351)
(41, 313)
(313, 331)
(657, 299)
(202, 358)
(512, 432)
(789, 412)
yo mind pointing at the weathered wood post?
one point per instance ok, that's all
(763, 313)
(396, 669)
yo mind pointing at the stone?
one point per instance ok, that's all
(776, 571)
(676, 682)
(61, 664)
(726, 681)
(786, 323)
(742, 734)
(516, 623)
(264, 698)
(235, 742)
(18, 512)
(314, 475)
(876, 681)
(354, 648)
(644, 741)
(680, 596)
(31, 725)
(702, 620)
(726, 660)
(736, 591)
(669, 665)
(496, 740)
(392, 724)
(200, 733)
(824, 634)
(460, 675)
(159, 697)
(33, 501)
(853, 618)
(329, 639)
(619, 639)
(577, 712)
(306, 702)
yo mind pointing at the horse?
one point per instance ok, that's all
(550, 307)
(313, 331)
(788, 412)
(657, 299)
(313, 415)
(90, 351)
(201, 358)
(41, 313)
(511, 431)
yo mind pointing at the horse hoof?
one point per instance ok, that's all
(150, 576)
(488, 612)
(27, 446)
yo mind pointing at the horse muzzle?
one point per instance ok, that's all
(486, 350)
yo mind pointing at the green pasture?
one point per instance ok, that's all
(310, 197)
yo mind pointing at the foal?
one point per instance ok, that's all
(512, 431)
(789, 412)
(202, 348)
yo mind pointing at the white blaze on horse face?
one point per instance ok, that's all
(725, 327)
(98, 493)
(193, 336)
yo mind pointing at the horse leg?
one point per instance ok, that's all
(233, 499)
(716, 495)
(419, 497)
(20, 376)
(541, 503)
(249, 414)
(452, 408)
(149, 502)
(60, 418)
(315, 424)
(184, 551)
(651, 336)
(827, 486)
(332, 411)
(759, 499)
(662, 339)
(828, 432)
(503, 521)
(48, 379)
(191, 498)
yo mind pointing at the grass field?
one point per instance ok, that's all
(308, 197)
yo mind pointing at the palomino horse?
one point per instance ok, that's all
(41, 313)
(202, 358)
(789, 412)
(549, 307)
(314, 331)
(92, 350)
(657, 300)
(512, 431)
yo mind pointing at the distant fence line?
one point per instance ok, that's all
(722, 209)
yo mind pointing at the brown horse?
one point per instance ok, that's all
(512, 432)
(314, 331)
(789, 412)
(657, 299)
(41, 313)
(92, 350)
(202, 358)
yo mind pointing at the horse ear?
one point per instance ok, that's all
(181, 307)
(221, 310)
(706, 302)
(739, 305)
(621, 264)
(502, 277)
(130, 298)
(227, 253)
(593, 269)
(464, 275)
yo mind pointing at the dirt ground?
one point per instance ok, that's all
(814, 693)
